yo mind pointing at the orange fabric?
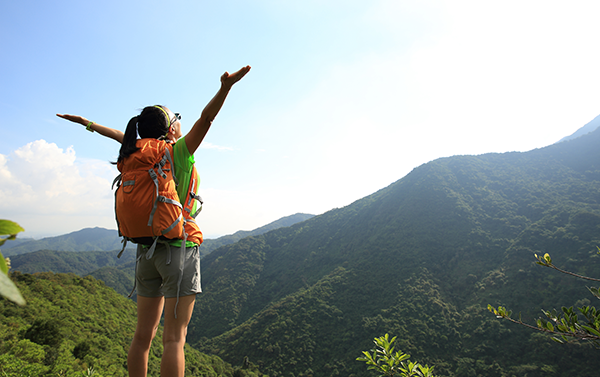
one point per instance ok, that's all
(194, 233)
(134, 199)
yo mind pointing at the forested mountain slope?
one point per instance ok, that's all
(80, 263)
(117, 273)
(420, 259)
(71, 324)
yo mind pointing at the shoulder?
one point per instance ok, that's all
(181, 154)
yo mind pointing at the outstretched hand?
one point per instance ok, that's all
(74, 118)
(228, 79)
(94, 127)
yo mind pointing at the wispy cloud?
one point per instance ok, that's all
(216, 147)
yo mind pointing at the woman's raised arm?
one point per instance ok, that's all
(202, 125)
(102, 130)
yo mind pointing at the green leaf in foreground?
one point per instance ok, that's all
(9, 228)
(3, 265)
(9, 290)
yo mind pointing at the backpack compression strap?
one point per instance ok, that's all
(193, 196)
(154, 176)
(161, 164)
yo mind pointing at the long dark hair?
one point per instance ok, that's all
(151, 123)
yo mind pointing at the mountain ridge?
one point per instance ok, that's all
(117, 273)
(419, 259)
(86, 239)
(102, 239)
(461, 230)
(587, 128)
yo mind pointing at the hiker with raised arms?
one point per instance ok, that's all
(168, 267)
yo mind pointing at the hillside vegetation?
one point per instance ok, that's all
(73, 325)
(420, 259)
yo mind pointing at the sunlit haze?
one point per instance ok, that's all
(344, 97)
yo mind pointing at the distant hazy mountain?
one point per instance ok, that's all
(101, 239)
(104, 264)
(589, 127)
(88, 239)
(211, 244)
(16, 242)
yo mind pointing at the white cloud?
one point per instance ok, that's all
(48, 191)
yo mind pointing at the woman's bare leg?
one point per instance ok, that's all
(174, 333)
(149, 310)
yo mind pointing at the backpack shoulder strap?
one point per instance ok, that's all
(192, 195)
(168, 153)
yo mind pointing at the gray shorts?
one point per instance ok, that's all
(161, 275)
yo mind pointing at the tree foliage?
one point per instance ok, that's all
(388, 363)
(564, 325)
(421, 258)
(77, 326)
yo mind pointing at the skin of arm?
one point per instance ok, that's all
(102, 130)
(202, 125)
(200, 128)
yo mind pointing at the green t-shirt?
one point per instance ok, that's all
(183, 160)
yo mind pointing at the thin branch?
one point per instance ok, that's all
(570, 273)
(580, 336)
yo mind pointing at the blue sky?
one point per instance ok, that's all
(344, 97)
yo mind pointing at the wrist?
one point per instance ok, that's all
(226, 87)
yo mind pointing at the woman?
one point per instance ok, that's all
(157, 280)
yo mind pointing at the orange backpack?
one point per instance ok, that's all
(147, 206)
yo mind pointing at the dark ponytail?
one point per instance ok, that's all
(129, 139)
(151, 123)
